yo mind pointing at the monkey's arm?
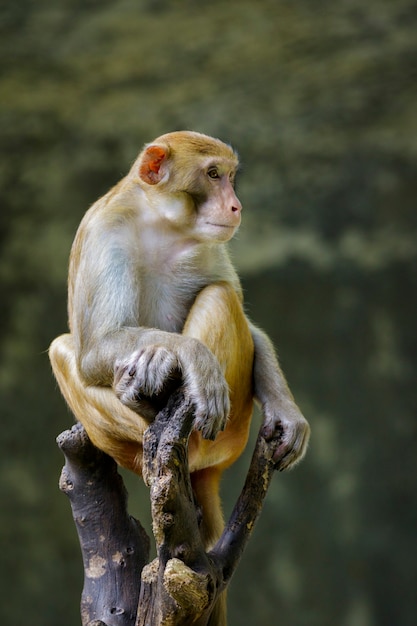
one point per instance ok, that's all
(114, 349)
(282, 417)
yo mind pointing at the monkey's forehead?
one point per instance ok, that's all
(196, 143)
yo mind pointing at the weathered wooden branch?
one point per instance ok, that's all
(114, 546)
(181, 586)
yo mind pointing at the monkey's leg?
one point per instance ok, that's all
(217, 319)
(206, 485)
(111, 426)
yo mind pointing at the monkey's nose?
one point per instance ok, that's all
(236, 206)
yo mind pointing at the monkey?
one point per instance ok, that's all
(153, 299)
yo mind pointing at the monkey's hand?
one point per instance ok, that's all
(207, 386)
(284, 423)
(145, 380)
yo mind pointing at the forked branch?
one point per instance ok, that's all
(181, 586)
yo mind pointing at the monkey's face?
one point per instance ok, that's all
(189, 181)
(216, 205)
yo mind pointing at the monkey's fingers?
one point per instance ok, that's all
(212, 411)
(154, 368)
(291, 439)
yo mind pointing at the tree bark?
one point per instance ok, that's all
(181, 586)
(114, 546)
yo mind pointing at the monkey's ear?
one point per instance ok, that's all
(151, 168)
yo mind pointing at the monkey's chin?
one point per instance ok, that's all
(220, 232)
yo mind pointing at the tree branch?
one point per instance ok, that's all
(238, 530)
(114, 545)
(181, 586)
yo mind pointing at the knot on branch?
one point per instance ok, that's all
(189, 589)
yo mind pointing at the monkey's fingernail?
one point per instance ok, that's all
(132, 371)
(267, 432)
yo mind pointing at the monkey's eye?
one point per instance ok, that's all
(213, 173)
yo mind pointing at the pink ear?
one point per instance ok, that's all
(149, 168)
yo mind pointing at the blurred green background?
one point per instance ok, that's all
(319, 98)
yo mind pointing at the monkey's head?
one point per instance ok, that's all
(188, 179)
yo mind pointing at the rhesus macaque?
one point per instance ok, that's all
(153, 299)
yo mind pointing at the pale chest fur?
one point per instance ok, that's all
(176, 270)
(166, 299)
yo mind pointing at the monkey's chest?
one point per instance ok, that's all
(166, 302)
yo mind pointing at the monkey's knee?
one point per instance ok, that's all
(61, 351)
(218, 320)
(219, 300)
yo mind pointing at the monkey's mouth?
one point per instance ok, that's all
(220, 225)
